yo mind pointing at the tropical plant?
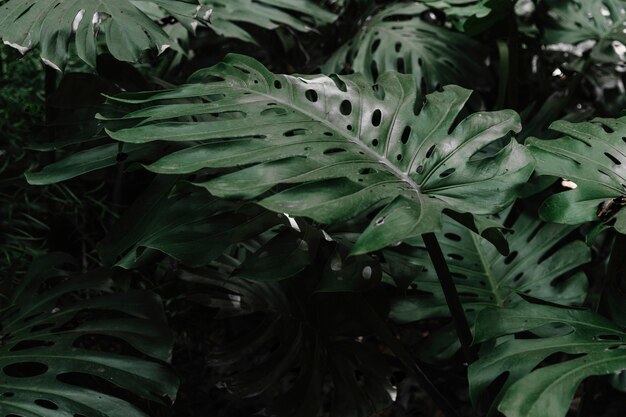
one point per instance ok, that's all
(343, 208)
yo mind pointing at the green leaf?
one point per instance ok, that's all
(548, 391)
(593, 156)
(193, 228)
(536, 266)
(587, 24)
(86, 161)
(338, 146)
(128, 32)
(472, 16)
(228, 16)
(398, 39)
(46, 343)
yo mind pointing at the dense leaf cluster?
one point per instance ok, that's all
(304, 208)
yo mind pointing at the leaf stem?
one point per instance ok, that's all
(452, 296)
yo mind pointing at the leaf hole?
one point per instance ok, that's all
(400, 66)
(311, 95)
(613, 159)
(374, 69)
(375, 45)
(375, 142)
(609, 337)
(455, 256)
(46, 404)
(345, 108)
(25, 369)
(406, 134)
(274, 111)
(295, 132)
(430, 151)
(278, 85)
(511, 257)
(339, 83)
(333, 151)
(447, 172)
(377, 118)
(453, 236)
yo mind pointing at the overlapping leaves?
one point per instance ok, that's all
(337, 145)
(54, 343)
(128, 31)
(228, 16)
(597, 24)
(398, 38)
(597, 343)
(593, 156)
(540, 264)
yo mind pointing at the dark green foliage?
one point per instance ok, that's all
(253, 194)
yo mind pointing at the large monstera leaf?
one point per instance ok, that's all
(600, 21)
(398, 39)
(336, 145)
(128, 31)
(228, 15)
(597, 343)
(538, 264)
(55, 343)
(593, 156)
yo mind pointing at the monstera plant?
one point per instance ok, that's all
(342, 208)
(62, 351)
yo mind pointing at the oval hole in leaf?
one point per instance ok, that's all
(311, 95)
(25, 369)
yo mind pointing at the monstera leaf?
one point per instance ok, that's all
(593, 156)
(397, 38)
(303, 340)
(228, 16)
(337, 146)
(598, 24)
(599, 346)
(192, 227)
(62, 354)
(128, 32)
(536, 266)
(472, 16)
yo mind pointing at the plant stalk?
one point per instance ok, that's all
(452, 296)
